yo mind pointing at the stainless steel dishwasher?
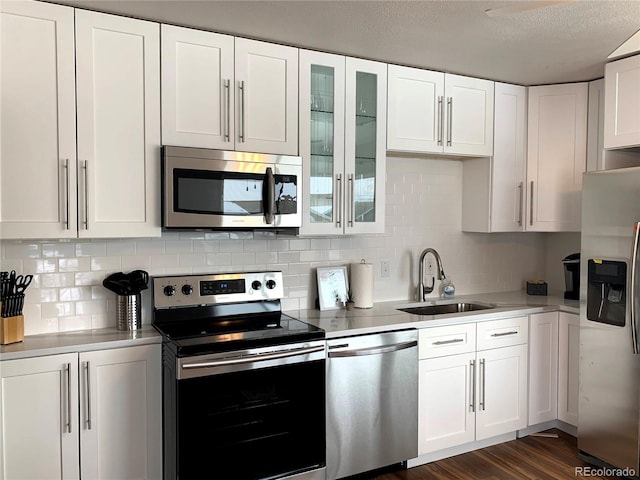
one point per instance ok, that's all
(372, 402)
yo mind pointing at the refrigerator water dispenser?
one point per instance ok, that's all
(606, 291)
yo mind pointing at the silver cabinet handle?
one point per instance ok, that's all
(88, 390)
(65, 165)
(241, 134)
(339, 194)
(255, 358)
(504, 334)
(483, 405)
(448, 342)
(472, 389)
(439, 120)
(227, 108)
(86, 194)
(521, 207)
(68, 370)
(357, 352)
(351, 200)
(633, 289)
(531, 206)
(449, 119)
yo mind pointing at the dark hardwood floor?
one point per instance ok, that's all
(530, 457)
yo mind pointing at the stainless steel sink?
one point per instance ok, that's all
(443, 308)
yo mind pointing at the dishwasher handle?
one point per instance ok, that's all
(357, 352)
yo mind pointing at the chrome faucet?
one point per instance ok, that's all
(422, 290)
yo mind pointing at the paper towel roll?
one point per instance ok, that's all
(362, 284)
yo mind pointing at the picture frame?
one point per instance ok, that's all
(332, 287)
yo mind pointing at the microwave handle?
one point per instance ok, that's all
(269, 197)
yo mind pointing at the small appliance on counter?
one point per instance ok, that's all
(572, 276)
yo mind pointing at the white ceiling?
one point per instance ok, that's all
(559, 42)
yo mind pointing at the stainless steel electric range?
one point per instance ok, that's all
(243, 383)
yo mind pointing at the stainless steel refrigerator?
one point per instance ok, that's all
(609, 400)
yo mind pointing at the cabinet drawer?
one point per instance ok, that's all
(449, 340)
(502, 333)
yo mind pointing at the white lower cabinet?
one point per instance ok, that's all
(89, 415)
(568, 361)
(472, 382)
(543, 367)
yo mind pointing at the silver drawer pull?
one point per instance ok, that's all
(448, 342)
(504, 334)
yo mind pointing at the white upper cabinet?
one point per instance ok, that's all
(266, 97)
(556, 160)
(365, 146)
(434, 112)
(38, 124)
(493, 188)
(118, 91)
(110, 189)
(622, 103)
(342, 143)
(468, 129)
(228, 93)
(322, 102)
(415, 110)
(197, 88)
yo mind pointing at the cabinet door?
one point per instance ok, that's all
(568, 361)
(266, 97)
(508, 172)
(415, 122)
(543, 367)
(120, 413)
(39, 418)
(322, 78)
(446, 402)
(365, 145)
(557, 142)
(38, 128)
(469, 116)
(501, 390)
(622, 97)
(118, 91)
(197, 83)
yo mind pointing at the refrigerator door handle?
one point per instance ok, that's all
(633, 298)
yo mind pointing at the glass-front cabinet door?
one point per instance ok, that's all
(321, 135)
(342, 142)
(365, 145)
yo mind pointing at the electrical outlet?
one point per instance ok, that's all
(430, 270)
(384, 269)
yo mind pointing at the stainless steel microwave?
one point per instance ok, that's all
(212, 189)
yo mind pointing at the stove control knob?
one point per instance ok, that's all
(187, 289)
(169, 290)
(271, 284)
(256, 285)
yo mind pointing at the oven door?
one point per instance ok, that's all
(217, 189)
(251, 415)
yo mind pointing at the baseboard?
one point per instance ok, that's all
(541, 427)
(459, 449)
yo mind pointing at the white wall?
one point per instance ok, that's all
(423, 204)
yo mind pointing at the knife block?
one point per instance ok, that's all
(11, 329)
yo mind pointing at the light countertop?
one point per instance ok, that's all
(78, 341)
(384, 316)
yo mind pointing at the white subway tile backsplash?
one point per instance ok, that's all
(423, 209)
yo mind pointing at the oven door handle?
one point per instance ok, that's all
(261, 357)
